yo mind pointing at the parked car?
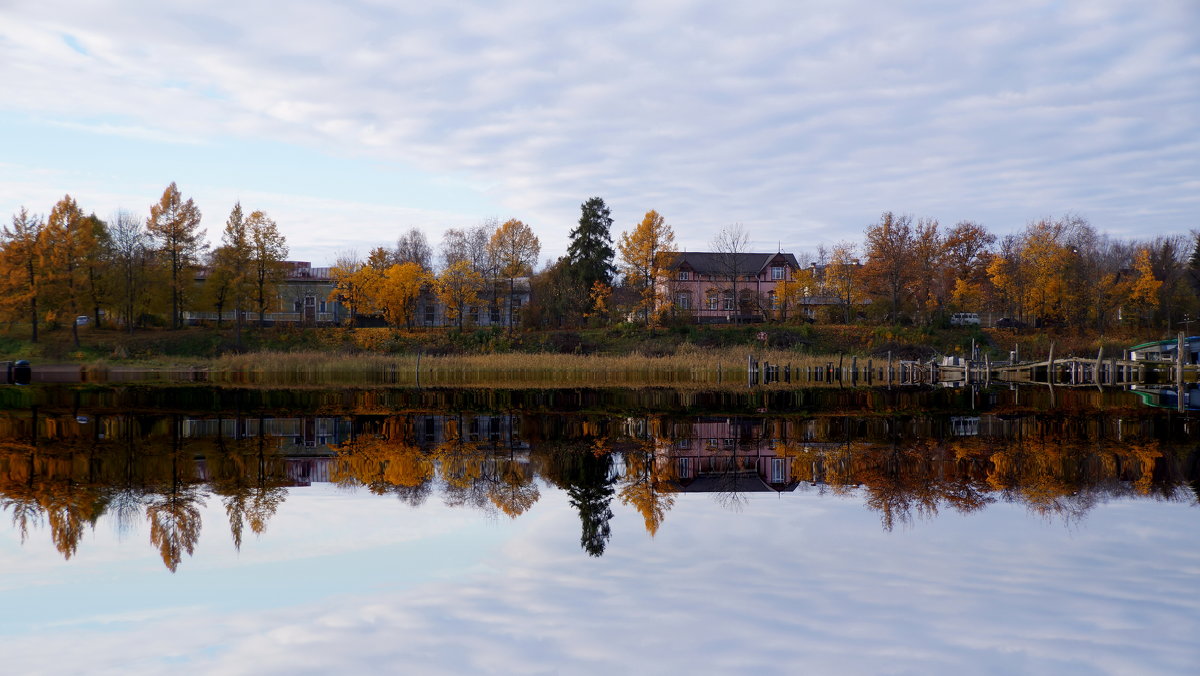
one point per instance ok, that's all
(964, 319)
(82, 320)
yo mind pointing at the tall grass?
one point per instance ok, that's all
(698, 368)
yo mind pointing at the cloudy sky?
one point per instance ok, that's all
(801, 120)
(798, 583)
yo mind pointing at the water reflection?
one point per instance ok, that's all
(61, 470)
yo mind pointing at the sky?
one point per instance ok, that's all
(803, 121)
(799, 582)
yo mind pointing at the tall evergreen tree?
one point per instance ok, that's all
(590, 254)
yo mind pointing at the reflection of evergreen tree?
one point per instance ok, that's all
(590, 485)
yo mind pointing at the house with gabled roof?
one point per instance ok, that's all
(720, 287)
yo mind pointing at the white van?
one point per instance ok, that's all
(964, 319)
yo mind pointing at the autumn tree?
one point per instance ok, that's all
(71, 240)
(131, 264)
(590, 252)
(967, 254)
(96, 261)
(347, 287)
(515, 249)
(268, 251)
(600, 300)
(930, 284)
(843, 277)
(889, 249)
(175, 223)
(1143, 292)
(413, 247)
(229, 272)
(21, 256)
(458, 287)
(552, 293)
(399, 291)
(471, 245)
(645, 252)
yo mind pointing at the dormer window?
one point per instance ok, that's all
(777, 272)
(685, 275)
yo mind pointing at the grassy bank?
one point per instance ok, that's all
(200, 346)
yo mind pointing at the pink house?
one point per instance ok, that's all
(717, 287)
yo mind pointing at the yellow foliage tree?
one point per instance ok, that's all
(515, 249)
(458, 287)
(644, 253)
(397, 293)
(1143, 292)
(21, 269)
(347, 283)
(175, 223)
(71, 241)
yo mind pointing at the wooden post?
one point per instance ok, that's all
(418, 369)
(1050, 366)
(890, 372)
(987, 368)
(854, 370)
(1180, 348)
(749, 370)
(839, 371)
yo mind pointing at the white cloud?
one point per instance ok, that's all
(802, 121)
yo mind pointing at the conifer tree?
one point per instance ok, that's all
(176, 225)
(21, 265)
(590, 253)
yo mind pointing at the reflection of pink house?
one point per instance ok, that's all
(717, 287)
(727, 455)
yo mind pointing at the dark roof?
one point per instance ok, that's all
(707, 262)
(735, 482)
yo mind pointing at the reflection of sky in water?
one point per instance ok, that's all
(351, 582)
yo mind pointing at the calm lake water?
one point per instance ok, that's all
(198, 530)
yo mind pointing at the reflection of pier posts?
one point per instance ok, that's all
(1180, 349)
(1050, 375)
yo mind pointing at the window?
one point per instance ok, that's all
(777, 272)
(494, 315)
(685, 443)
(777, 470)
(323, 307)
(712, 299)
(685, 275)
(728, 300)
(685, 468)
(429, 318)
(683, 300)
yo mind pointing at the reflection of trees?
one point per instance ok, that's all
(386, 463)
(585, 471)
(173, 508)
(512, 489)
(646, 485)
(57, 474)
(250, 478)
